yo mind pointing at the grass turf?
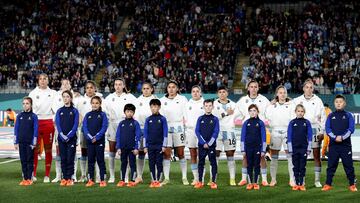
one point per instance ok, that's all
(10, 176)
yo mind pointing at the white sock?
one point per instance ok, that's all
(127, 174)
(183, 167)
(83, 161)
(244, 174)
(290, 168)
(75, 167)
(264, 174)
(140, 162)
(231, 166)
(274, 166)
(58, 167)
(317, 173)
(112, 164)
(166, 165)
(194, 169)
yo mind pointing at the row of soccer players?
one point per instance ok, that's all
(181, 116)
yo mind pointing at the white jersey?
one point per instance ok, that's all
(244, 102)
(280, 115)
(143, 109)
(42, 102)
(114, 106)
(193, 110)
(173, 110)
(83, 104)
(314, 110)
(226, 121)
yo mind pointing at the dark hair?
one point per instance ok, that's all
(326, 105)
(9, 109)
(340, 96)
(167, 85)
(155, 102)
(130, 107)
(30, 100)
(222, 87)
(208, 101)
(253, 106)
(97, 98)
(70, 94)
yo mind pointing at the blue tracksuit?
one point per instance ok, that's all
(155, 138)
(127, 139)
(207, 131)
(26, 132)
(67, 122)
(253, 143)
(340, 123)
(299, 145)
(94, 127)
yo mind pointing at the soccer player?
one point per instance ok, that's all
(316, 115)
(10, 118)
(340, 124)
(84, 106)
(94, 127)
(173, 105)
(143, 111)
(25, 140)
(282, 105)
(42, 97)
(299, 145)
(326, 141)
(252, 97)
(114, 107)
(207, 131)
(253, 145)
(127, 144)
(193, 110)
(57, 104)
(155, 141)
(226, 141)
(67, 122)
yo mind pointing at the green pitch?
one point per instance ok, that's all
(10, 176)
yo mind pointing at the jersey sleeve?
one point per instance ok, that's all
(137, 135)
(309, 134)
(73, 130)
(16, 130)
(165, 131)
(104, 127)
(351, 128)
(289, 136)
(243, 136)
(328, 127)
(118, 136)
(215, 133)
(36, 129)
(198, 133)
(85, 129)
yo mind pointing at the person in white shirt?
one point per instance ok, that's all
(242, 105)
(57, 104)
(142, 112)
(43, 97)
(114, 108)
(172, 108)
(193, 110)
(315, 113)
(84, 106)
(226, 141)
(279, 114)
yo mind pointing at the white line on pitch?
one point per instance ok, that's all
(5, 162)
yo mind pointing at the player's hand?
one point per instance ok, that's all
(230, 111)
(309, 152)
(32, 147)
(145, 150)
(135, 152)
(206, 146)
(93, 140)
(273, 102)
(163, 149)
(320, 137)
(119, 152)
(262, 154)
(16, 146)
(244, 154)
(338, 139)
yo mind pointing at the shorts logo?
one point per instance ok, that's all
(177, 102)
(259, 101)
(313, 103)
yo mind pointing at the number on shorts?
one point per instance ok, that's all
(316, 138)
(232, 141)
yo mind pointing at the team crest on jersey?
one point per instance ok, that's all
(218, 107)
(159, 121)
(247, 101)
(257, 125)
(301, 103)
(201, 108)
(313, 103)
(29, 118)
(60, 100)
(211, 121)
(140, 104)
(113, 99)
(190, 108)
(84, 102)
(71, 113)
(150, 121)
(165, 103)
(49, 95)
(124, 98)
(37, 97)
(344, 117)
(99, 116)
(131, 124)
(304, 124)
(177, 102)
(259, 100)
